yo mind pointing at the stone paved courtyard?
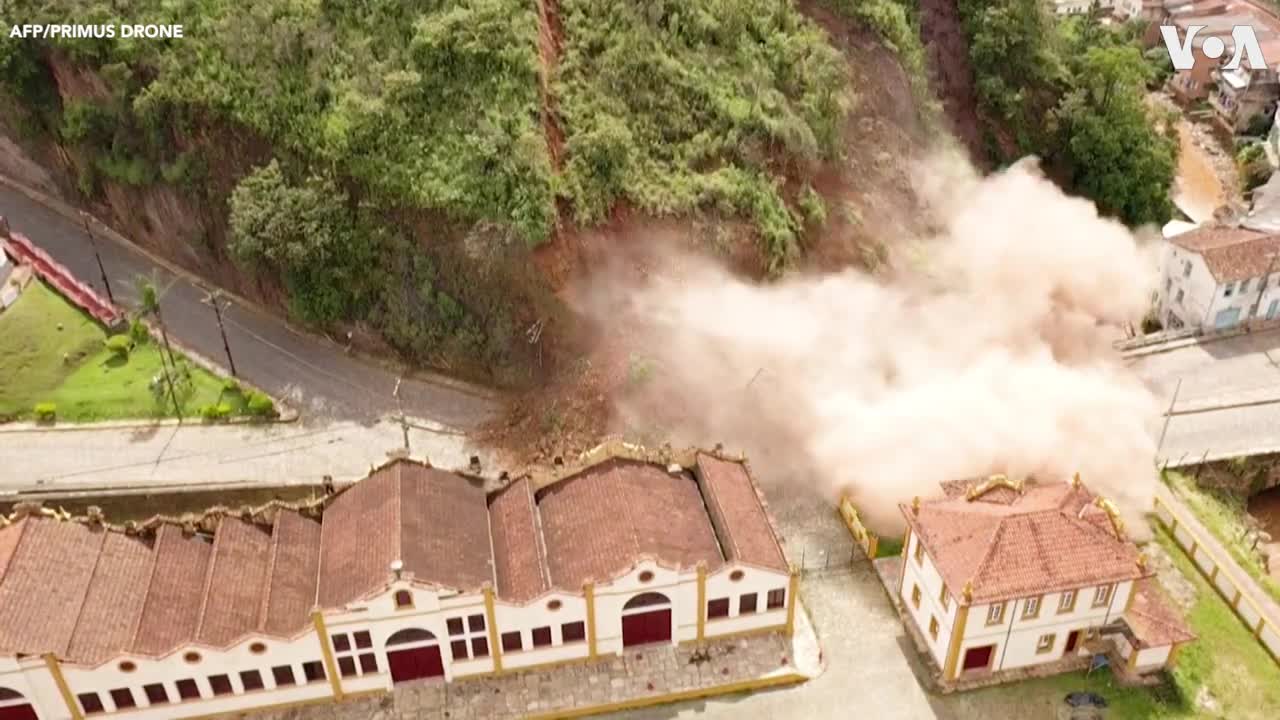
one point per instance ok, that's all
(641, 673)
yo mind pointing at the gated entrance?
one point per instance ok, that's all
(646, 618)
(15, 707)
(413, 654)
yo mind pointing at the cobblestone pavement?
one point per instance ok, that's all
(639, 673)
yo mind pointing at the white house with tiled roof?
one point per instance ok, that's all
(1000, 576)
(411, 573)
(1219, 277)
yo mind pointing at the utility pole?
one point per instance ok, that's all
(216, 301)
(93, 243)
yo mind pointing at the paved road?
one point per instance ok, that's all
(310, 373)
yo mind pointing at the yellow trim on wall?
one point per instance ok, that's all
(902, 571)
(495, 650)
(793, 589)
(957, 638)
(634, 704)
(589, 591)
(51, 662)
(330, 667)
(702, 601)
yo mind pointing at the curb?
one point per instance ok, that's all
(192, 421)
(71, 213)
(65, 492)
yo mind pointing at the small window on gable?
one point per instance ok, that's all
(123, 698)
(404, 599)
(127, 666)
(645, 576)
(736, 575)
(257, 648)
(156, 694)
(283, 675)
(192, 657)
(90, 703)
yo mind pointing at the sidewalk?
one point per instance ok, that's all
(69, 457)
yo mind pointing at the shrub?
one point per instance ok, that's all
(259, 405)
(232, 385)
(119, 345)
(45, 411)
(139, 331)
(215, 412)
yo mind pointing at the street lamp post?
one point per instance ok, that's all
(93, 243)
(216, 301)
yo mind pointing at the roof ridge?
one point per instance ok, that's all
(704, 489)
(320, 563)
(208, 578)
(992, 543)
(22, 533)
(146, 598)
(264, 607)
(97, 561)
(539, 542)
(398, 494)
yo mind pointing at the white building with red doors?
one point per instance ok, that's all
(411, 573)
(1000, 575)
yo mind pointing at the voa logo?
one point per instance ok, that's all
(1242, 38)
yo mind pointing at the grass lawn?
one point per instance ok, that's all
(1225, 665)
(889, 547)
(1223, 515)
(71, 368)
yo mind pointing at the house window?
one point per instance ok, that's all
(1044, 644)
(469, 638)
(363, 640)
(573, 632)
(90, 703)
(341, 643)
(1229, 288)
(123, 698)
(776, 599)
(915, 596)
(1067, 602)
(283, 675)
(511, 642)
(251, 680)
(541, 637)
(1186, 268)
(404, 599)
(995, 614)
(345, 648)
(1031, 609)
(746, 604)
(945, 598)
(156, 694)
(1179, 297)
(1244, 286)
(1102, 595)
(933, 628)
(1168, 284)
(718, 608)
(220, 684)
(347, 666)
(187, 689)
(313, 671)
(919, 552)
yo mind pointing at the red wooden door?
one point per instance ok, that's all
(644, 628)
(18, 712)
(1072, 639)
(978, 658)
(415, 663)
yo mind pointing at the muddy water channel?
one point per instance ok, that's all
(1265, 507)
(1198, 191)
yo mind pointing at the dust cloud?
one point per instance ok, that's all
(988, 350)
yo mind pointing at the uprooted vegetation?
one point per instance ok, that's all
(391, 165)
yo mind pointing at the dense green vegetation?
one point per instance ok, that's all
(1072, 91)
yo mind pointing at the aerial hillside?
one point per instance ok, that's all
(430, 174)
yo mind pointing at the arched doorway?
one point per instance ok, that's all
(15, 707)
(646, 618)
(413, 654)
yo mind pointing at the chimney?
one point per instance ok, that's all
(397, 568)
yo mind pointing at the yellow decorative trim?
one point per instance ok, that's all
(1257, 631)
(1113, 514)
(702, 601)
(1133, 593)
(589, 590)
(1133, 658)
(957, 638)
(495, 650)
(793, 588)
(1213, 574)
(362, 695)
(991, 483)
(51, 662)
(744, 686)
(330, 667)
(902, 571)
(1236, 603)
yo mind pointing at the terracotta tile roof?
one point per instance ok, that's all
(434, 522)
(292, 574)
(172, 609)
(1152, 617)
(236, 582)
(44, 584)
(519, 557)
(738, 513)
(1047, 540)
(114, 601)
(597, 523)
(1231, 253)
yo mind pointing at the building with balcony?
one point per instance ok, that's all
(999, 576)
(412, 573)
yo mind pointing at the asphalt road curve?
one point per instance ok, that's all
(310, 373)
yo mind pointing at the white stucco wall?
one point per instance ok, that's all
(924, 574)
(1153, 657)
(1203, 297)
